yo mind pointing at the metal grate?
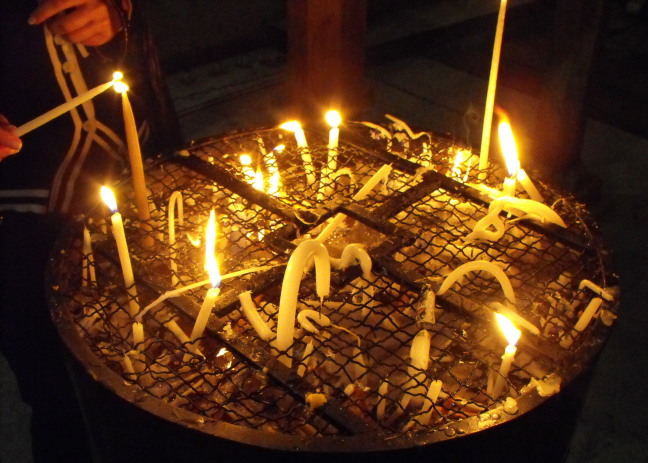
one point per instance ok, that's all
(413, 227)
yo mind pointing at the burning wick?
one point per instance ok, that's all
(214, 274)
(300, 137)
(512, 335)
(516, 173)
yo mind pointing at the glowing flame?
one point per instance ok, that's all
(511, 333)
(279, 148)
(293, 126)
(118, 75)
(509, 148)
(333, 118)
(245, 159)
(458, 161)
(120, 87)
(258, 180)
(109, 198)
(274, 183)
(211, 264)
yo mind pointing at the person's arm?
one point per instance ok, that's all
(88, 22)
(9, 142)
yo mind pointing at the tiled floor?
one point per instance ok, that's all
(244, 94)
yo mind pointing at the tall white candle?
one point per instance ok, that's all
(300, 137)
(134, 154)
(290, 289)
(512, 335)
(214, 274)
(122, 249)
(333, 118)
(492, 87)
(67, 106)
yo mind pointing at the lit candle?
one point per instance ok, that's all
(512, 335)
(380, 175)
(290, 289)
(333, 118)
(516, 173)
(252, 315)
(492, 87)
(175, 202)
(214, 274)
(122, 248)
(300, 137)
(67, 106)
(88, 270)
(248, 171)
(134, 154)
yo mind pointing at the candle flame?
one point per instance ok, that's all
(509, 147)
(120, 87)
(118, 75)
(333, 118)
(109, 198)
(292, 126)
(511, 333)
(258, 180)
(211, 264)
(275, 183)
(279, 148)
(245, 159)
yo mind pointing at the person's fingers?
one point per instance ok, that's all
(3, 120)
(49, 8)
(9, 143)
(96, 40)
(73, 21)
(4, 152)
(99, 30)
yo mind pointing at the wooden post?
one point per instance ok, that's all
(561, 113)
(326, 41)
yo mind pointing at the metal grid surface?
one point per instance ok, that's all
(413, 227)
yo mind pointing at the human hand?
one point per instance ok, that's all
(9, 142)
(88, 22)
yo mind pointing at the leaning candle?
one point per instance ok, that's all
(583, 321)
(492, 87)
(290, 289)
(122, 248)
(380, 175)
(134, 154)
(512, 335)
(175, 202)
(479, 266)
(300, 137)
(214, 275)
(253, 317)
(88, 271)
(516, 173)
(67, 106)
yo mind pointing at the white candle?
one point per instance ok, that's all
(512, 335)
(252, 315)
(597, 289)
(290, 289)
(432, 395)
(174, 328)
(175, 202)
(333, 118)
(583, 321)
(306, 358)
(214, 274)
(122, 249)
(492, 87)
(88, 270)
(300, 137)
(275, 178)
(380, 175)
(134, 154)
(67, 106)
(511, 156)
(479, 266)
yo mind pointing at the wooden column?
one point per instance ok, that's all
(561, 115)
(326, 49)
